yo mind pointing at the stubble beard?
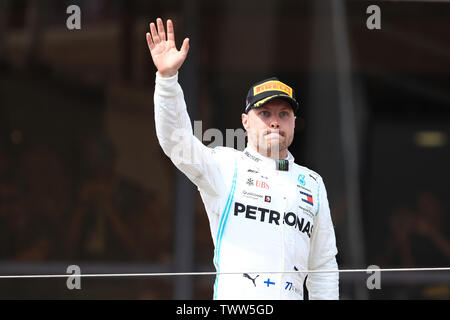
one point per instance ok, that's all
(271, 148)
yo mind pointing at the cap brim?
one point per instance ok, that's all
(259, 104)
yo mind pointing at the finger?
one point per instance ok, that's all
(161, 31)
(170, 32)
(150, 43)
(185, 47)
(154, 34)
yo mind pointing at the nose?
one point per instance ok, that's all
(274, 123)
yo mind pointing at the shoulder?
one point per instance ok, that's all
(224, 155)
(226, 152)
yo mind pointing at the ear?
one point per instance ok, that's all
(244, 118)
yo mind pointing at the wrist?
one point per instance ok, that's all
(166, 84)
(167, 74)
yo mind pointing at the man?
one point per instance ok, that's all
(269, 217)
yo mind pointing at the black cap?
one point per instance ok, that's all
(264, 91)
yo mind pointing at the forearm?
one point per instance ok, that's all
(171, 118)
(324, 285)
(175, 135)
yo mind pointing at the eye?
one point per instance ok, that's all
(264, 113)
(284, 114)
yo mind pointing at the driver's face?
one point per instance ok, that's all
(270, 128)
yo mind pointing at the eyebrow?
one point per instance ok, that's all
(284, 108)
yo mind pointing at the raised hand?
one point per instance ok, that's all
(165, 55)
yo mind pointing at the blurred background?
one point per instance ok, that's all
(83, 180)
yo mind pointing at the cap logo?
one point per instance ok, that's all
(271, 86)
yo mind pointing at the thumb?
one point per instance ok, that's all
(185, 47)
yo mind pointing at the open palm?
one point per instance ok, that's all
(165, 55)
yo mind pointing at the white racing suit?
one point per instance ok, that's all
(261, 219)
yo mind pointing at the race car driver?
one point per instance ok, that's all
(269, 217)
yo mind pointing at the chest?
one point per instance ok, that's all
(275, 198)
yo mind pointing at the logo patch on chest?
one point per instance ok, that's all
(301, 179)
(261, 214)
(308, 198)
(257, 183)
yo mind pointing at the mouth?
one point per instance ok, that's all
(274, 133)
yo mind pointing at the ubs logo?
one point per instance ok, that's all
(258, 183)
(262, 184)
